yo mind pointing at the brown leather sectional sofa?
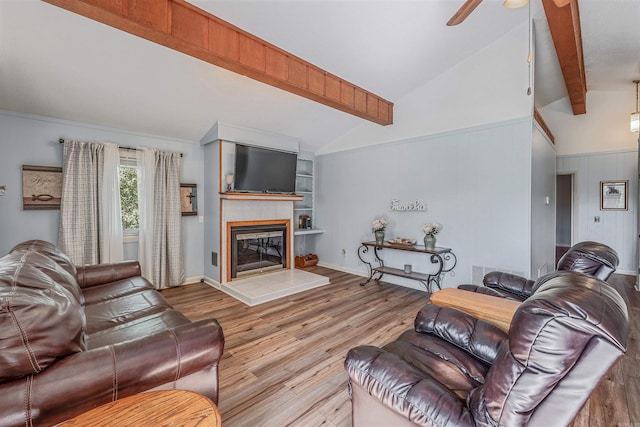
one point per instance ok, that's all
(75, 338)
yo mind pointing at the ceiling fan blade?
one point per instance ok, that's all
(561, 3)
(464, 11)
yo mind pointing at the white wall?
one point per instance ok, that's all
(605, 127)
(617, 229)
(599, 146)
(489, 87)
(476, 182)
(543, 204)
(212, 210)
(33, 140)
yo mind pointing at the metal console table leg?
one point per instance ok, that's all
(442, 268)
(363, 249)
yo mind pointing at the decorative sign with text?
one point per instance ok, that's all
(397, 205)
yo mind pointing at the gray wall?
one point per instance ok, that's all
(476, 182)
(617, 229)
(211, 209)
(33, 140)
(543, 204)
(563, 210)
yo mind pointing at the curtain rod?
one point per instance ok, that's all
(61, 140)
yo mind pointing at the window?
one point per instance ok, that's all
(129, 173)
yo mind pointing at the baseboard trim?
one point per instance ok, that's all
(406, 283)
(626, 272)
(209, 281)
(343, 269)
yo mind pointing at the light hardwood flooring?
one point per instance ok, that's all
(283, 360)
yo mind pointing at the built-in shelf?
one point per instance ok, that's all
(302, 232)
(304, 208)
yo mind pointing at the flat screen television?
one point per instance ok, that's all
(261, 170)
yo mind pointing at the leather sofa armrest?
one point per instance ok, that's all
(84, 380)
(511, 283)
(477, 337)
(99, 274)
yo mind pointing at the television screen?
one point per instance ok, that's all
(260, 170)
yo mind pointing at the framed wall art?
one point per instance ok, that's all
(614, 195)
(189, 199)
(41, 187)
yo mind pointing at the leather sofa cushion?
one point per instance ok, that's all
(117, 311)
(481, 339)
(405, 388)
(117, 289)
(143, 327)
(436, 358)
(40, 319)
(49, 250)
(51, 269)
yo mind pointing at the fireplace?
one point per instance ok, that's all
(257, 247)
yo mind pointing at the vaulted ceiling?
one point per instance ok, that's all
(58, 64)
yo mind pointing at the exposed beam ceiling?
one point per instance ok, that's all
(462, 13)
(564, 24)
(181, 26)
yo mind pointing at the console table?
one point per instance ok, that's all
(443, 258)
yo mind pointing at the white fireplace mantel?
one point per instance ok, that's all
(261, 196)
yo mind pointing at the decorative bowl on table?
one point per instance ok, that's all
(402, 241)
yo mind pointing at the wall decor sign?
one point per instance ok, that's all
(41, 187)
(189, 199)
(614, 195)
(397, 205)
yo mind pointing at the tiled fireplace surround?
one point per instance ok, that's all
(244, 209)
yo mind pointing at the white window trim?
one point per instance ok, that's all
(127, 159)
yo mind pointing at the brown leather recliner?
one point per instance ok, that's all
(454, 370)
(592, 258)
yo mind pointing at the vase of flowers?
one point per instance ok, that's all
(379, 225)
(430, 231)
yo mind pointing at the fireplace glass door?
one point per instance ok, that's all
(258, 249)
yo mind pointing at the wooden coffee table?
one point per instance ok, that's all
(154, 408)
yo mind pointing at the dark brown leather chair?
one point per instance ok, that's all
(592, 258)
(455, 370)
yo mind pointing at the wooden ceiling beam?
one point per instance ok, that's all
(543, 125)
(181, 26)
(564, 23)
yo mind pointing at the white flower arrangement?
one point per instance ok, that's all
(432, 229)
(379, 224)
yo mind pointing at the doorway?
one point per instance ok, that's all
(564, 214)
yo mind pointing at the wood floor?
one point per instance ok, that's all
(283, 360)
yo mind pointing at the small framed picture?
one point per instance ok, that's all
(614, 195)
(189, 199)
(41, 187)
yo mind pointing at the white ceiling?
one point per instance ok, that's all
(58, 64)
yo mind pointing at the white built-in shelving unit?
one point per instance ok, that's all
(305, 188)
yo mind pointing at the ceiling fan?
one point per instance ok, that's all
(469, 6)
